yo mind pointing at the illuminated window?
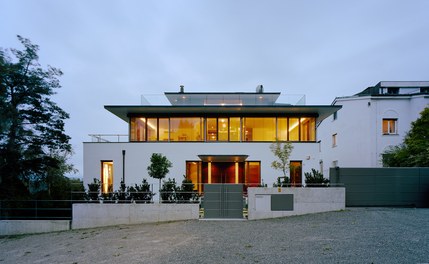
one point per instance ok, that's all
(259, 129)
(295, 168)
(390, 126)
(138, 129)
(282, 128)
(163, 129)
(152, 129)
(107, 176)
(308, 129)
(223, 129)
(211, 129)
(234, 129)
(293, 129)
(186, 129)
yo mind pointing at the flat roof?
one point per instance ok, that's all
(222, 98)
(319, 111)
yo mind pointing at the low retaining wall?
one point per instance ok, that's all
(271, 203)
(97, 215)
(19, 227)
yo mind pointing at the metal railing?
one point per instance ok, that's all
(102, 138)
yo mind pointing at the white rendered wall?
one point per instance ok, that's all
(305, 201)
(138, 154)
(358, 126)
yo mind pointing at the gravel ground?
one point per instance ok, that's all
(356, 235)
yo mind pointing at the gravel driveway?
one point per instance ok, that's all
(356, 235)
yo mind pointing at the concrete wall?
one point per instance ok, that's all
(383, 186)
(97, 215)
(138, 155)
(305, 201)
(19, 227)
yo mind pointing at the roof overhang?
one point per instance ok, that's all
(319, 111)
(223, 158)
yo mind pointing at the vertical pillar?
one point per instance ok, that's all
(236, 172)
(209, 172)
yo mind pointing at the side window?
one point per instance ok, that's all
(390, 126)
(106, 176)
(334, 140)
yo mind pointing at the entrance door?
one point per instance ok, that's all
(223, 201)
(227, 172)
(296, 173)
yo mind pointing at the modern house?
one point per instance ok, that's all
(370, 122)
(210, 137)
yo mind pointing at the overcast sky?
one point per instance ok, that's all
(111, 52)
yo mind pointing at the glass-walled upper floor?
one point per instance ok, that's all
(226, 129)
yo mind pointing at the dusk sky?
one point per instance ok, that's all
(112, 52)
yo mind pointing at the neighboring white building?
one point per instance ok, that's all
(369, 123)
(209, 138)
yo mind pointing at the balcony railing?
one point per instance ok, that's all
(102, 138)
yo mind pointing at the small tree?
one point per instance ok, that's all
(282, 151)
(94, 190)
(141, 192)
(168, 191)
(159, 167)
(315, 179)
(186, 193)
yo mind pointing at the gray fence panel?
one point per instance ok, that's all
(383, 186)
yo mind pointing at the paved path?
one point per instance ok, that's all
(357, 235)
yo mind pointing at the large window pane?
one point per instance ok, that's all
(223, 129)
(186, 129)
(234, 129)
(211, 129)
(106, 176)
(152, 129)
(308, 129)
(138, 129)
(163, 129)
(293, 129)
(282, 128)
(259, 128)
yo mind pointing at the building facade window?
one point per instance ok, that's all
(186, 129)
(138, 129)
(106, 176)
(295, 173)
(390, 126)
(334, 140)
(213, 129)
(259, 129)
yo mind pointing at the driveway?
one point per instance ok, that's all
(356, 235)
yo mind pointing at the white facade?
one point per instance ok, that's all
(355, 135)
(137, 158)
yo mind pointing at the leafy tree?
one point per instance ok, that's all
(414, 151)
(282, 151)
(31, 124)
(159, 167)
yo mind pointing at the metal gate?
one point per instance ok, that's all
(223, 201)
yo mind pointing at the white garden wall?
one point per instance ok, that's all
(96, 214)
(305, 201)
